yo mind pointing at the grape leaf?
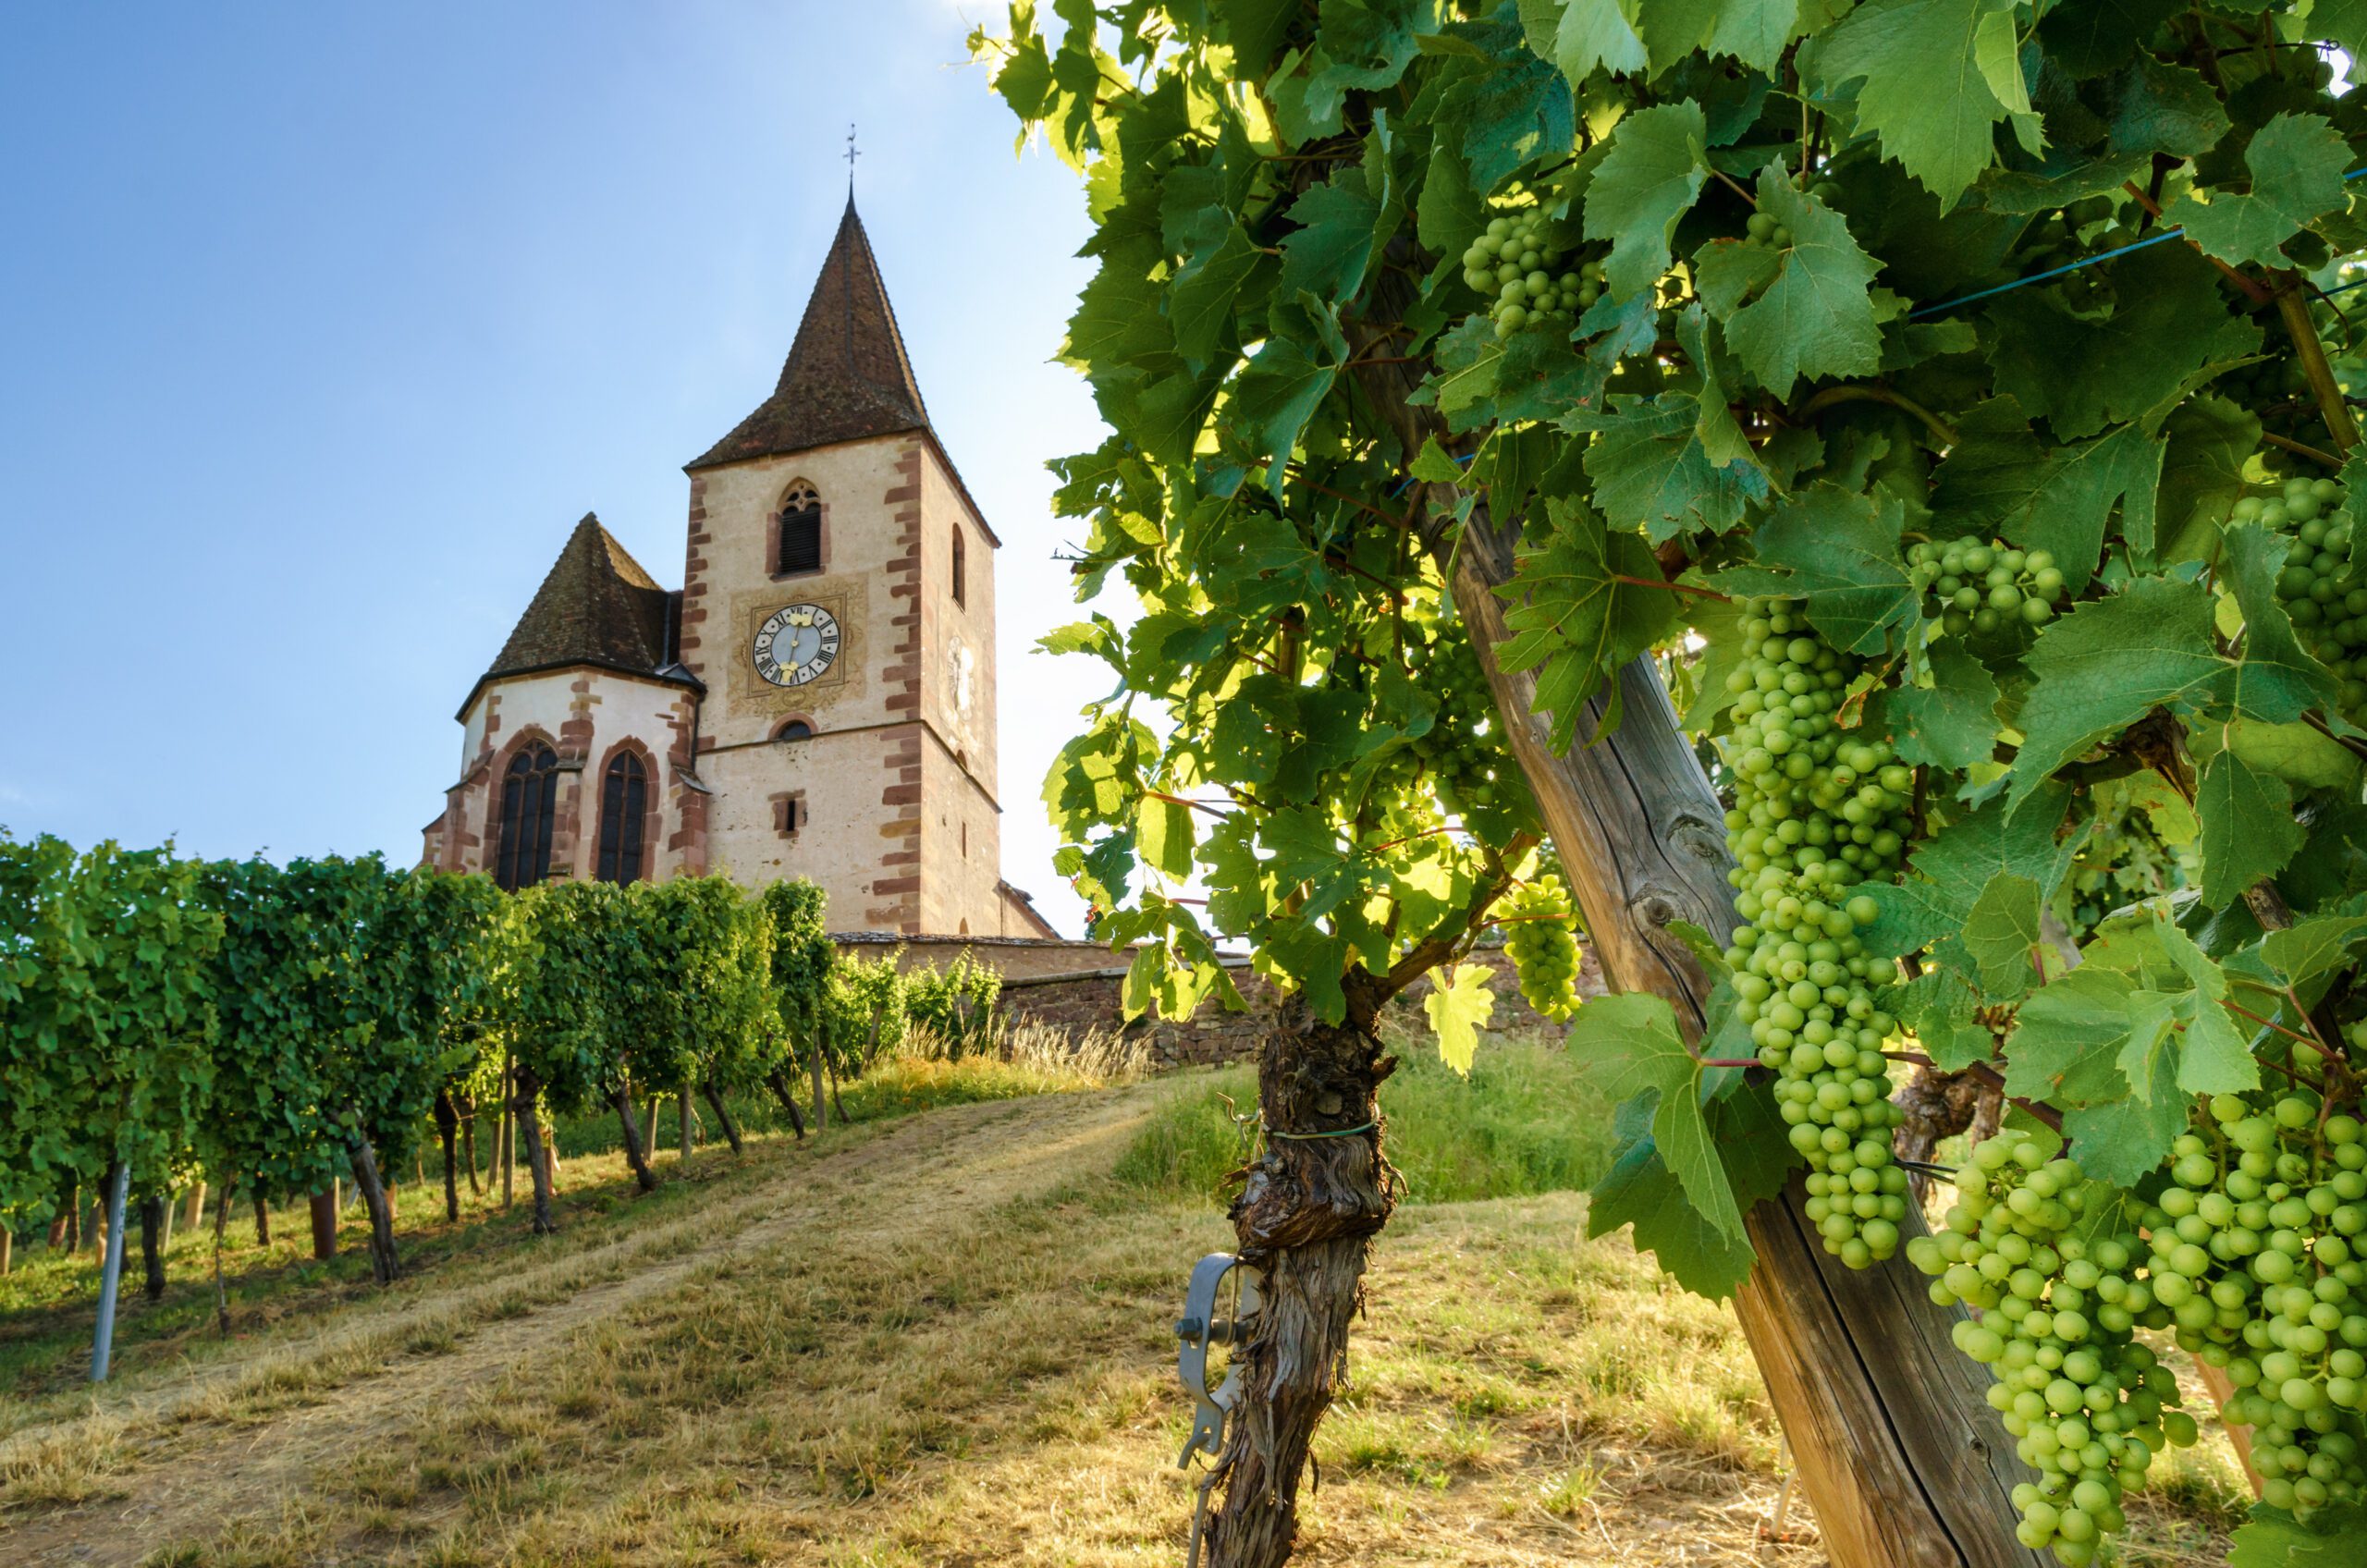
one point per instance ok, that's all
(2274, 681)
(2302, 953)
(2172, 323)
(2248, 826)
(2108, 664)
(1999, 480)
(1650, 470)
(2165, 108)
(2296, 163)
(1639, 1190)
(1812, 314)
(1653, 173)
(1950, 724)
(1753, 32)
(1838, 550)
(2000, 931)
(1163, 835)
(1459, 1006)
(1570, 617)
(1939, 1009)
(1206, 295)
(1629, 1046)
(2064, 1050)
(2335, 1538)
(1593, 33)
(1922, 92)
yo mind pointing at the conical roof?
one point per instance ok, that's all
(596, 606)
(847, 378)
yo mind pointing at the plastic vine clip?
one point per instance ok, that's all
(1201, 1326)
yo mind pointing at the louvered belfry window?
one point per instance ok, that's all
(529, 805)
(624, 793)
(801, 531)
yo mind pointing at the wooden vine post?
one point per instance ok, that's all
(1896, 1448)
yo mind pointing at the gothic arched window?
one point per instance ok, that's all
(961, 574)
(800, 545)
(529, 806)
(624, 793)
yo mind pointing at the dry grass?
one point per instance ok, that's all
(944, 1341)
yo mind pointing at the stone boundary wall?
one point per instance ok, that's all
(1079, 1002)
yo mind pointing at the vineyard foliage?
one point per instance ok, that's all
(2019, 607)
(260, 1026)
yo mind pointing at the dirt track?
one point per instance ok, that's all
(193, 1478)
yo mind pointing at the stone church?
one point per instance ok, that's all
(817, 700)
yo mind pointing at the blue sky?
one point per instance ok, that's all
(321, 324)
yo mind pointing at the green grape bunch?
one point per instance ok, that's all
(1970, 584)
(2257, 1252)
(2056, 1300)
(1541, 935)
(2324, 597)
(1515, 262)
(1816, 813)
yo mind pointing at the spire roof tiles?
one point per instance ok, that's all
(596, 606)
(847, 376)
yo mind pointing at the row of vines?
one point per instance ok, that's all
(270, 1030)
(1943, 409)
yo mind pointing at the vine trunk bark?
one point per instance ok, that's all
(1315, 1195)
(155, 1233)
(263, 1221)
(386, 1266)
(323, 1210)
(635, 1156)
(447, 1131)
(526, 1088)
(723, 1115)
(779, 1082)
(467, 1107)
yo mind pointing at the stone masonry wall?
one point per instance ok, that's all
(1212, 1035)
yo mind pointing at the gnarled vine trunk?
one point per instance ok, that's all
(1316, 1195)
(385, 1266)
(156, 1233)
(447, 1131)
(779, 1082)
(526, 1089)
(635, 1156)
(722, 1115)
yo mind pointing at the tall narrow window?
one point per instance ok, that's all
(801, 531)
(623, 795)
(529, 806)
(961, 586)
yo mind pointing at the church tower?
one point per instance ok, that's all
(818, 698)
(839, 609)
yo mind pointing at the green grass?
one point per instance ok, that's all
(1523, 1123)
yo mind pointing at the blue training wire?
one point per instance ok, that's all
(2075, 267)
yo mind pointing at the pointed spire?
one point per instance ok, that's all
(596, 606)
(847, 376)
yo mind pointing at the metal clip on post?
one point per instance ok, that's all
(1200, 1326)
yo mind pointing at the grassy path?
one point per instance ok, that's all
(924, 1176)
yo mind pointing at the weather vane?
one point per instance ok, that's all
(852, 154)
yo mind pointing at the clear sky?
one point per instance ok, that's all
(320, 325)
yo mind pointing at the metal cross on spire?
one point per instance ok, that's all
(852, 152)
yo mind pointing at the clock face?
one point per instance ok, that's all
(797, 644)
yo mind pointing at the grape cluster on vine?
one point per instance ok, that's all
(1540, 936)
(1970, 584)
(1514, 261)
(2256, 1252)
(1816, 811)
(2056, 1307)
(2326, 599)
(1459, 754)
